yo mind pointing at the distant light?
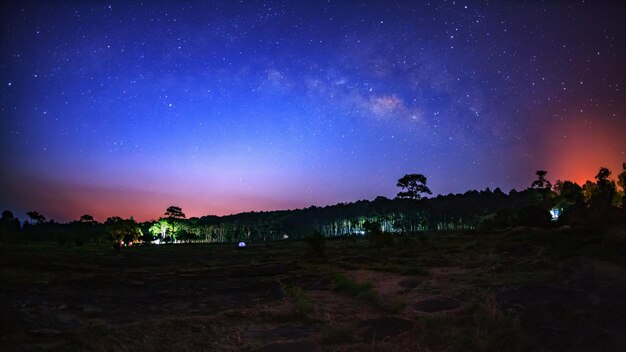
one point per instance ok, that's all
(285, 237)
(555, 212)
(242, 244)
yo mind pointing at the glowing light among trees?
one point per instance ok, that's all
(555, 213)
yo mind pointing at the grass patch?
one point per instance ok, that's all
(402, 269)
(15, 276)
(335, 335)
(512, 278)
(346, 265)
(304, 305)
(481, 326)
(493, 330)
(353, 288)
(366, 292)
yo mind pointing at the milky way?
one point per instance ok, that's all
(124, 109)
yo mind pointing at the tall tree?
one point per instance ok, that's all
(541, 182)
(602, 196)
(603, 175)
(161, 228)
(36, 217)
(175, 212)
(589, 189)
(413, 185)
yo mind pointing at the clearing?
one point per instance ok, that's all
(522, 289)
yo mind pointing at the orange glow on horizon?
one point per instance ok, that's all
(575, 150)
(63, 202)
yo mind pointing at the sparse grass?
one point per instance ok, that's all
(346, 265)
(481, 326)
(512, 278)
(334, 335)
(402, 269)
(390, 304)
(304, 305)
(365, 291)
(353, 288)
(493, 329)
(16, 276)
(135, 299)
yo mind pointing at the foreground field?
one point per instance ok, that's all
(524, 289)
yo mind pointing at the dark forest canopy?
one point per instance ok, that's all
(542, 204)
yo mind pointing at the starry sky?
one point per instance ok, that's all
(124, 108)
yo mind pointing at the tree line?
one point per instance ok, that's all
(595, 203)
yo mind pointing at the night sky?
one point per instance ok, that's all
(111, 108)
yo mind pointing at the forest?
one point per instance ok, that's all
(542, 204)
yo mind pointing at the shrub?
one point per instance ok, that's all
(494, 330)
(317, 244)
(304, 306)
(344, 284)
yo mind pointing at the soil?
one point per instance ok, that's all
(469, 294)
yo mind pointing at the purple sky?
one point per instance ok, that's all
(112, 108)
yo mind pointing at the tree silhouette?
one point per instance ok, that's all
(621, 181)
(589, 189)
(36, 217)
(7, 216)
(86, 218)
(621, 178)
(603, 175)
(602, 196)
(9, 225)
(568, 192)
(414, 186)
(113, 220)
(175, 212)
(541, 182)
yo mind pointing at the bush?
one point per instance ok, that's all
(304, 306)
(353, 288)
(317, 244)
(494, 330)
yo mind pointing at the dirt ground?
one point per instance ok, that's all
(522, 289)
